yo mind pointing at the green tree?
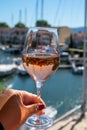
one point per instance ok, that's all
(20, 25)
(4, 25)
(43, 23)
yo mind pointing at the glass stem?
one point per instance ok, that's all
(38, 87)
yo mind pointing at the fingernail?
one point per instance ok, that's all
(41, 106)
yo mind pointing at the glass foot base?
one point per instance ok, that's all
(41, 122)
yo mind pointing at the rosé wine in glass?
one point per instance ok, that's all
(41, 59)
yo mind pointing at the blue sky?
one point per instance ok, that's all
(56, 12)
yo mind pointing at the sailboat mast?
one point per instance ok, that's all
(36, 10)
(20, 16)
(25, 16)
(42, 8)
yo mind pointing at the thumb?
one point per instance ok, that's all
(34, 108)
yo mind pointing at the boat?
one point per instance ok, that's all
(7, 69)
(12, 49)
(21, 71)
(77, 67)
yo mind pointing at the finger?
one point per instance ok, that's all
(35, 108)
(40, 113)
(29, 98)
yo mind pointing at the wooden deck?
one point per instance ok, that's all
(75, 122)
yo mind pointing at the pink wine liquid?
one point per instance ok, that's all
(41, 66)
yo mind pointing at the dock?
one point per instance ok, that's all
(65, 66)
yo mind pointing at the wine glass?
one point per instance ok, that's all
(40, 59)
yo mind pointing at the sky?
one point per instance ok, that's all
(56, 12)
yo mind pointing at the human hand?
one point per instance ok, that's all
(19, 107)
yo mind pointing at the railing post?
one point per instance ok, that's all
(83, 107)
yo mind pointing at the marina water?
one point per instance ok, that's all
(61, 92)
